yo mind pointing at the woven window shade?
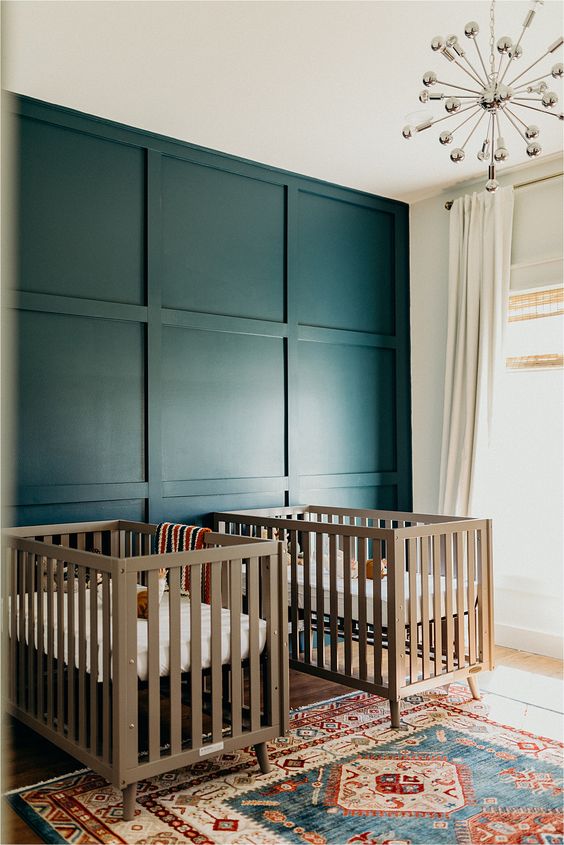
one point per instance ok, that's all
(532, 362)
(535, 304)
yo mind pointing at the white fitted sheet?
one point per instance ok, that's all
(369, 595)
(143, 635)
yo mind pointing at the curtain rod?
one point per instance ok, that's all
(449, 203)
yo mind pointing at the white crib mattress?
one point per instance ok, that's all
(369, 596)
(143, 635)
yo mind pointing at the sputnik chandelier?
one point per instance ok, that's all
(490, 96)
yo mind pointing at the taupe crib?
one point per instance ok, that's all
(428, 622)
(132, 698)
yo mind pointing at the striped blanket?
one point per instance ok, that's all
(173, 537)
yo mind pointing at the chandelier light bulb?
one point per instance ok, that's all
(471, 29)
(484, 153)
(429, 78)
(515, 52)
(452, 104)
(490, 96)
(501, 153)
(504, 44)
(549, 99)
(534, 149)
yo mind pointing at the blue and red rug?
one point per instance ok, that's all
(340, 776)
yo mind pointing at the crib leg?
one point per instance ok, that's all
(262, 758)
(395, 713)
(129, 801)
(474, 688)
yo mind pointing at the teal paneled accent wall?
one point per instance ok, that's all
(197, 332)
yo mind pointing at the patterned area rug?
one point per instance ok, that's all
(340, 776)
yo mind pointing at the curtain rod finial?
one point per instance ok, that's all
(449, 204)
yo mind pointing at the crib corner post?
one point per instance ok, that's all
(396, 622)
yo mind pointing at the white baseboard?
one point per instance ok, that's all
(525, 639)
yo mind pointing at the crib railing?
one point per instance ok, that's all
(70, 611)
(427, 622)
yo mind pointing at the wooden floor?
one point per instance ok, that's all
(515, 696)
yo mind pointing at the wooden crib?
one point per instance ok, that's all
(429, 621)
(132, 698)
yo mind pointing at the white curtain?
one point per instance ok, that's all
(479, 268)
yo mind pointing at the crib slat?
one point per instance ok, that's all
(333, 606)
(31, 652)
(174, 671)
(40, 637)
(460, 648)
(131, 684)
(377, 609)
(106, 671)
(93, 598)
(362, 625)
(320, 600)
(235, 625)
(196, 653)
(22, 586)
(425, 607)
(153, 675)
(13, 558)
(273, 638)
(437, 601)
(471, 535)
(82, 656)
(294, 633)
(50, 640)
(307, 598)
(448, 605)
(254, 665)
(216, 635)
(97, 541)
(61, 622)
(483, 644)
(347, 604)
(413, 638)
(71, 582)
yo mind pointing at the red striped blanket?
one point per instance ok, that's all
(174, 537)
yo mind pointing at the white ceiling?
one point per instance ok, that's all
(321, 88)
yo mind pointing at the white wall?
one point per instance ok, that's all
(521, 478)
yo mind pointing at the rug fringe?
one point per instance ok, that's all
(44, 782)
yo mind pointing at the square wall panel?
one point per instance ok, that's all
(81, 215)
(80, 400)
(223, 405)
(346, 265)
(127, 509)
(223, 242)
(347, 409)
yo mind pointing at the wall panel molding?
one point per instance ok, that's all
(222, 250)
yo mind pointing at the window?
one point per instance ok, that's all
(535, 330)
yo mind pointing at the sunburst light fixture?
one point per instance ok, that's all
(490, 96)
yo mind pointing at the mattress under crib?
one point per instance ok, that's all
(143, 635)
